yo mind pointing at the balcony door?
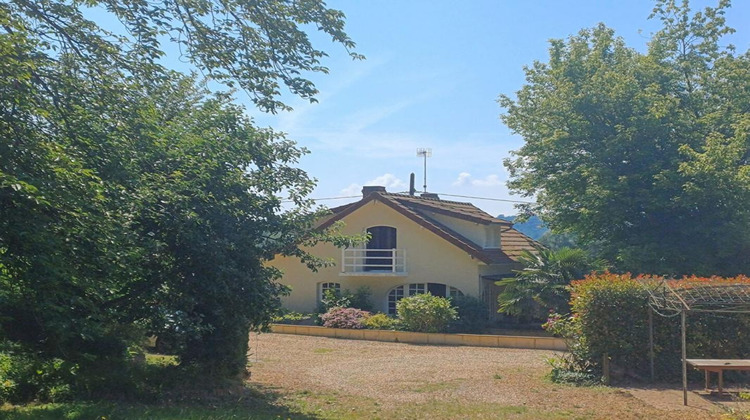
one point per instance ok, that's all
(379, 255)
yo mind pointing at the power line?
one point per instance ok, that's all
(442, 194)
(326, 198)
(487, 198)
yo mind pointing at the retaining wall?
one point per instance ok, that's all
(478, 340)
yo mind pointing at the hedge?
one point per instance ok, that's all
(610, 316)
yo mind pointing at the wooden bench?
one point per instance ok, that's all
(718, 366)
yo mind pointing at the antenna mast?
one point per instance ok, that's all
(425, 153)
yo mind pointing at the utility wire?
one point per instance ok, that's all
(487, 198)
(444, 194)
(326, 198)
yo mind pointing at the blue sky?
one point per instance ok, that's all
(432, 75)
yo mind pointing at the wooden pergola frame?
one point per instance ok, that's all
(669, 298)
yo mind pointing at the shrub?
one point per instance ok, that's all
(332, 299)
(381, 322)
(472, 314)
(24, 377)
(360, 299)
(610, 315)
(293, 318)
(425, 313)
(350, 318)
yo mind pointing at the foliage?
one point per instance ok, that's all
(641, 153)
(610, 316)
(359, 299)
(132, 200)
(471, 313)
(381, 321)
(332, 299)
(542, 284)
(350, 318)
(562, 375)
(425, 313)
(293, 318)
(24, 377)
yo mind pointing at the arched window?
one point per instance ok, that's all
(435, 289)
(336, 287)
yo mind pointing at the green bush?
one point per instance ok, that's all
(381, 321)
(610, 316)
(24, 377)
(293, 318)
(360, 298)
(472, 314)
(425, 313)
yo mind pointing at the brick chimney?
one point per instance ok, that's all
(369, 189)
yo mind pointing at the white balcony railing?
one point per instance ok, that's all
(373, 261)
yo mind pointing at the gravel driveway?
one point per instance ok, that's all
(394, 374)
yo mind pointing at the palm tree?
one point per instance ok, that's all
(543, 284)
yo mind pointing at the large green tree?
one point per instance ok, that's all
(134, 200)
(645, 154)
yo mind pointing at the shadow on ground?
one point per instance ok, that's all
(251, 402)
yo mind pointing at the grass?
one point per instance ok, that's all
(268, 404)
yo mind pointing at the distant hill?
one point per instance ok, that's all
(534, 228)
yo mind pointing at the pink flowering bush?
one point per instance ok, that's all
(350, 318)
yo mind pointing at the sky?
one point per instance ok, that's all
(431, 78)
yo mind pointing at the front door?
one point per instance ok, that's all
(382, 238)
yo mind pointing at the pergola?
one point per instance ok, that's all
(669, 298)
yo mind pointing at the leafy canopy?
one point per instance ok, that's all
(646, 155)
(134, 201)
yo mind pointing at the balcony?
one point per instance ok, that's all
(373, 262)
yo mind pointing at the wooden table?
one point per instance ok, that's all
(718, 366)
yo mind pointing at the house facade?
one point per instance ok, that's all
(417, 244)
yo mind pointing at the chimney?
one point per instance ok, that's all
(432, 196)
(369, 189)
(412, 190)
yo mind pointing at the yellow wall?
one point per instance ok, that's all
(429, 259)
(474, 231)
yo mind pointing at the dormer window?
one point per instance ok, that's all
(492, 236)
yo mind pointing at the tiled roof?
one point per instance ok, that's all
(415, 208)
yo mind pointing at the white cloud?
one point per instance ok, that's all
(352, 189)
(465, 178)
(489, 181)
(391, 183)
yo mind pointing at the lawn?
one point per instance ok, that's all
(301, 377)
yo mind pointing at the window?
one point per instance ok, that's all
(336, 287)
(436, 289)
(379, 254)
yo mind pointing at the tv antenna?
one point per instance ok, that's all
(424, 153)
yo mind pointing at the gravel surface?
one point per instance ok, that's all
(396, 373)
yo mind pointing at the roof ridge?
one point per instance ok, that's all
(439, 200)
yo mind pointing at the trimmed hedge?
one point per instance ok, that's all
(610, 316)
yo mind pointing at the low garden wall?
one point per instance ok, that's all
(478, 340)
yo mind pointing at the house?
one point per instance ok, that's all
(417, 244)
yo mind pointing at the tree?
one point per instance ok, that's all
(131, 198)
(542, 285)
(644, 154)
